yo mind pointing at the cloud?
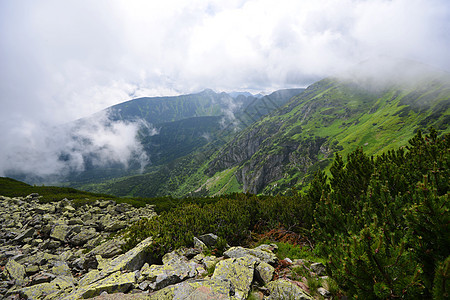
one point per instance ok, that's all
(64, 60)
(53, 152)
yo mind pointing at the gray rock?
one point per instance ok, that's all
(132, 260)
(116, 282)
(110, 248)
(60, 232)
(26, 234)
(239, 272)
(284, 289)
(259, 254)
(42, 277)
(15, 271)
(319, 269)
(264, 272)
(195, 290)
(160, 276)
(85, 235)
(199, 244)
(209, 239)
(324, 292)
(48, 290)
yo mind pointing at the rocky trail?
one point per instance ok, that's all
(59, 251)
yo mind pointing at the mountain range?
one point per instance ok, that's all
(212, 143)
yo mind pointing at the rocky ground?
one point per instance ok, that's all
(57, 251)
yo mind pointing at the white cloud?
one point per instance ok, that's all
(63, 60)
(44, 151)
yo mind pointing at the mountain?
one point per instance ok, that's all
(169, 128)
(376, 111)
(331, 116)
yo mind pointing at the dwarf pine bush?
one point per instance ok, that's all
(384, 224)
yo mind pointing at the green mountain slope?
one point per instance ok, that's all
(374, 106)
(331, 116)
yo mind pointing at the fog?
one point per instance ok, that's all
(65, 60)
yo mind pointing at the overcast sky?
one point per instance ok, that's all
(62, 60)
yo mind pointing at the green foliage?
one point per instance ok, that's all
(441, 283)
(231, 217)
(383, 224)
(14, 188)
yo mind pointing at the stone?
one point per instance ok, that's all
(209, 239)
(199, 244)
(42, 277)
(75, 221)
(115, 226)
(60, 232)
(132, 260)
(264, 272)
(319, 269)
(325, 293)
(48, 290)
(284, 289)
(32, 269)
(196, 290)
(267, 247)
(85, 235)
(109, 248)
(61, 268)
(210, 261)
(116, 282)
(161, 276)
(259, 254)
(26, 234)
(238, 271)
(45, 208)
(15, 271)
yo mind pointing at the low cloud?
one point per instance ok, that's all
(65, 60)
(40, 151)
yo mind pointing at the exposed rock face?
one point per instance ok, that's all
(52, 261)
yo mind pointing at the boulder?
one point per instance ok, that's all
(196, 290)
(264, 272)
(116, 282)
(28, 233)
(285, 289)
(86, 234)
(199, 244)
(319, 269)
(160, 276)
(239, 272)
(132, 260)
(110, 248)
(48, 290)
(258, 254)
(60, 232)
(209, 239)
(15, 271)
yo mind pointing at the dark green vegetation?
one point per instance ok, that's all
(382, 223)
(12, 188)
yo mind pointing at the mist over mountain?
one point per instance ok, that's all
(278, 141)
(126, 138)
